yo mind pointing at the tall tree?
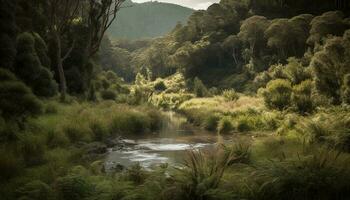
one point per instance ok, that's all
(101, 15)
(96, 15)
(62, 14)
(252, 32)
(7, 33)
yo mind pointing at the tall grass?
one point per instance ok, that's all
(322, 175)
(202, 173)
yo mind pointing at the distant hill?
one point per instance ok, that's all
(149, 19)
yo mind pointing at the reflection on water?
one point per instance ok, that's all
(169, 146)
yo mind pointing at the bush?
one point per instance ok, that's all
(214, 91)
(243, 125)
(16, 99)
(130, 122)
(34, 190)
(56, 138)
(92, 93)
(322, 175)
(225, 125)
(346, 89)
(201, 176)
(136, 174)
(28, 67)
(199, 88)
(32, 148)
(241, 152)
(76, 131)
(301, 97)
(156, 119)
(51, 108)
(278, 94)
(230, 95)
(211, 122)
(99, 130)
(10, 165)
(108, 95)
(6, 75)
(73, 187)
(160, 86)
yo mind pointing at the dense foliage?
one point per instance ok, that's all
(273, 76)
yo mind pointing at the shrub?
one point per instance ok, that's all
(199, 88)
(130, 122)
(32, 148)
(34, 190)
(108, 95)
(225, 125)
(278, 94)
(241, 152)
(76, 131)
(73, 187)
(346, 89)
(295, 72)
(92, 93)
(301, 96)
(230, 95)
(136, 174)
(10, 165)
(28, 67)
(6, 75)
(243, 125)
(51, 108)
(156, 119)
(214, 91)
(160, 86)
(99, 130)
(105, 83)
(202, 174)
(16, 99)
(211, 122)
(322, 175)
(56, 138)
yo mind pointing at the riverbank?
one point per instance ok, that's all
(62, 154)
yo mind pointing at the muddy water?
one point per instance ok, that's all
(169, 146)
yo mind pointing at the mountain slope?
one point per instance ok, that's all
(149, 19)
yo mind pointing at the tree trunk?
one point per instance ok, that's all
(62, 78)
(234, 56)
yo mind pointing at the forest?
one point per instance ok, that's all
(248, 99)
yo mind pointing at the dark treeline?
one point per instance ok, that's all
(56, 39)
(235, 44)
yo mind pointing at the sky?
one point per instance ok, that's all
(195, 4)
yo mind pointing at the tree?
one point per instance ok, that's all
(278, 94)
(329, 23)
(252, 32)
(288, 36)
(199, 88)
(17, 101)
(28, 67)
(234, 45)
(61, 15)
(97, 16)
(330, 65)
(7, 33)
(101, 15)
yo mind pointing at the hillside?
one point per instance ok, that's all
(150, 19)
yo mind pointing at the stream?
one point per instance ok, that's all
(169, 146)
